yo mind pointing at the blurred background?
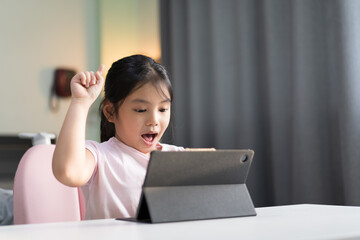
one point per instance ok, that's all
(276, 76)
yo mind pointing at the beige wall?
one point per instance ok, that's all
(38, 36)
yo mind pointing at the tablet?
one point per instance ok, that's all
(182, 186)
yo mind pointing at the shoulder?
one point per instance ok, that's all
(111, 150)
(168, 147)
(94, 146)
(98, 149)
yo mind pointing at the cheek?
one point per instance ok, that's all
(128, 122)
(135, 123)
(128, 130)
(165, 120)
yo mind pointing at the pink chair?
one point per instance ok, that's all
(38, 196)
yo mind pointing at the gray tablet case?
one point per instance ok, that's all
(181, 186)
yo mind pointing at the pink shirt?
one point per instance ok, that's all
(115, 187)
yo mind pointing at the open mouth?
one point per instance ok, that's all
(149, 138)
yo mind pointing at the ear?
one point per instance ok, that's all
(108, 110)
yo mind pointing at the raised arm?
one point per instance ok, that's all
(72, 164)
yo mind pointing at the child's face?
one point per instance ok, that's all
(143, 117)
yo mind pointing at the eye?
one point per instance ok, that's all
(163, 109)
(140, 110)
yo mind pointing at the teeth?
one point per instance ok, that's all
(149, 137)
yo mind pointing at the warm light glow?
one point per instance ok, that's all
(129, 27)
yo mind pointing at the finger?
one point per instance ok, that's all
(99, 78)
(101, 69)
(88, 78)
(82, 78)
(199, 149)
(158, 146)
(93, 78)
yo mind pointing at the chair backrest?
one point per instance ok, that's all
(38, 196)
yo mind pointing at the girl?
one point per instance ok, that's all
(135, 114)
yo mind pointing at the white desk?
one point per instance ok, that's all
(284, 222)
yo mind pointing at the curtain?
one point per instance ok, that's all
(276, 76)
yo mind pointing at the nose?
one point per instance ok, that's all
(153, 119)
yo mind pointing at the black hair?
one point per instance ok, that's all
(125, 76)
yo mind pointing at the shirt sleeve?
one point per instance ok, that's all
(93, 146)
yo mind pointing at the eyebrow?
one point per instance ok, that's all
(139, 100)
